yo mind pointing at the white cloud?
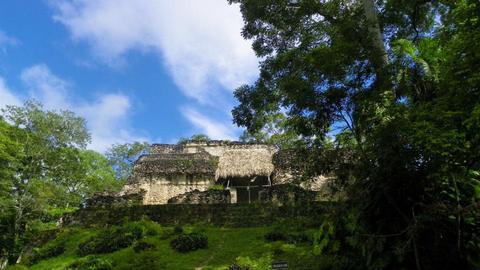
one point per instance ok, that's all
(6, 40)
(199, 41)
(45, 87)
(107, 117)
(6, 95)
(213, 129)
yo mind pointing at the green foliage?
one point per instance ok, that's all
(293, 238)
(45, 171)
(200, 137)
(112, 239)
(105, 242)
(50, 250)
(195, 137)
(217, 187)
(141, 246)
(122, 156)
(10, 162)
(400, 81)
(276, 131)
(189, 242)
(91, 263)
(177, 230)
(224, 246)
(247, 263)
(324, 238)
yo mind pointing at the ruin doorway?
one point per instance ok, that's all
(245, 189)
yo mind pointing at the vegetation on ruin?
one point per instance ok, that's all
(152, 248)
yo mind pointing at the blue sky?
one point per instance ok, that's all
(152, 70)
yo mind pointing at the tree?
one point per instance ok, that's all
(200, 137)
(276, 131)
(97, 173)
(10, 156)
(196, 137)
(122, 157)
(401, 78)
(45, 171)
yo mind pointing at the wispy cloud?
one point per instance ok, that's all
(107, 116)
(199, 42)
(212, 128)
(6, 40)
(6, 95)
(46, 87)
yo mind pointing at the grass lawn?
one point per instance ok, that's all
(225, 246)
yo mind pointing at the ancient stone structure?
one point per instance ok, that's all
(193, 167)
(211, 196)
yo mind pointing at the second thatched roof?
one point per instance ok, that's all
(245, 163)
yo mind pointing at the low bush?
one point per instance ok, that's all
(141, 246)
(91, 263)
(178, 230)
(275, 236)
(217, 187)
(236, 266)
(293, 238)
(189, 242)
(48, 251)
(296, 238)
(247, 263)
(111, 240)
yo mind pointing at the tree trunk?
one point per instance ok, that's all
(375, 34)
(378, 53)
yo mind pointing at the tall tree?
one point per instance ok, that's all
(123, 156)
(402, 79)
(45, 170)
(10, 157)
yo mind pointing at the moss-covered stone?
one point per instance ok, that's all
(228, 215)
(210, 196)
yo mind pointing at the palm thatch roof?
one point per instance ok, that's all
(174, 163)
(245, 163)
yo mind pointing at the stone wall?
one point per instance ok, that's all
(159, 189)
(105, 199)
(228, 215)
(202, 197)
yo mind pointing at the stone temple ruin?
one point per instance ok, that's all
(215, 171)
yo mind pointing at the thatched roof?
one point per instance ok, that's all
(245, 163)
(174, 163)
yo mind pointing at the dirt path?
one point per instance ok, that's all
(210, 258)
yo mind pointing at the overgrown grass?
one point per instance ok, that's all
(226, 246)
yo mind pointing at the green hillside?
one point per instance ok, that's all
(146, 244)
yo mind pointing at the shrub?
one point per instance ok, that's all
(109, 241)
(247, 263)
(141, 246)
(296, 238)
(275, 236)
(293, 238)
(178, 230)
(189, 242)
(48, 251)
(91, 263)
(236, 266)
(217, 187)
